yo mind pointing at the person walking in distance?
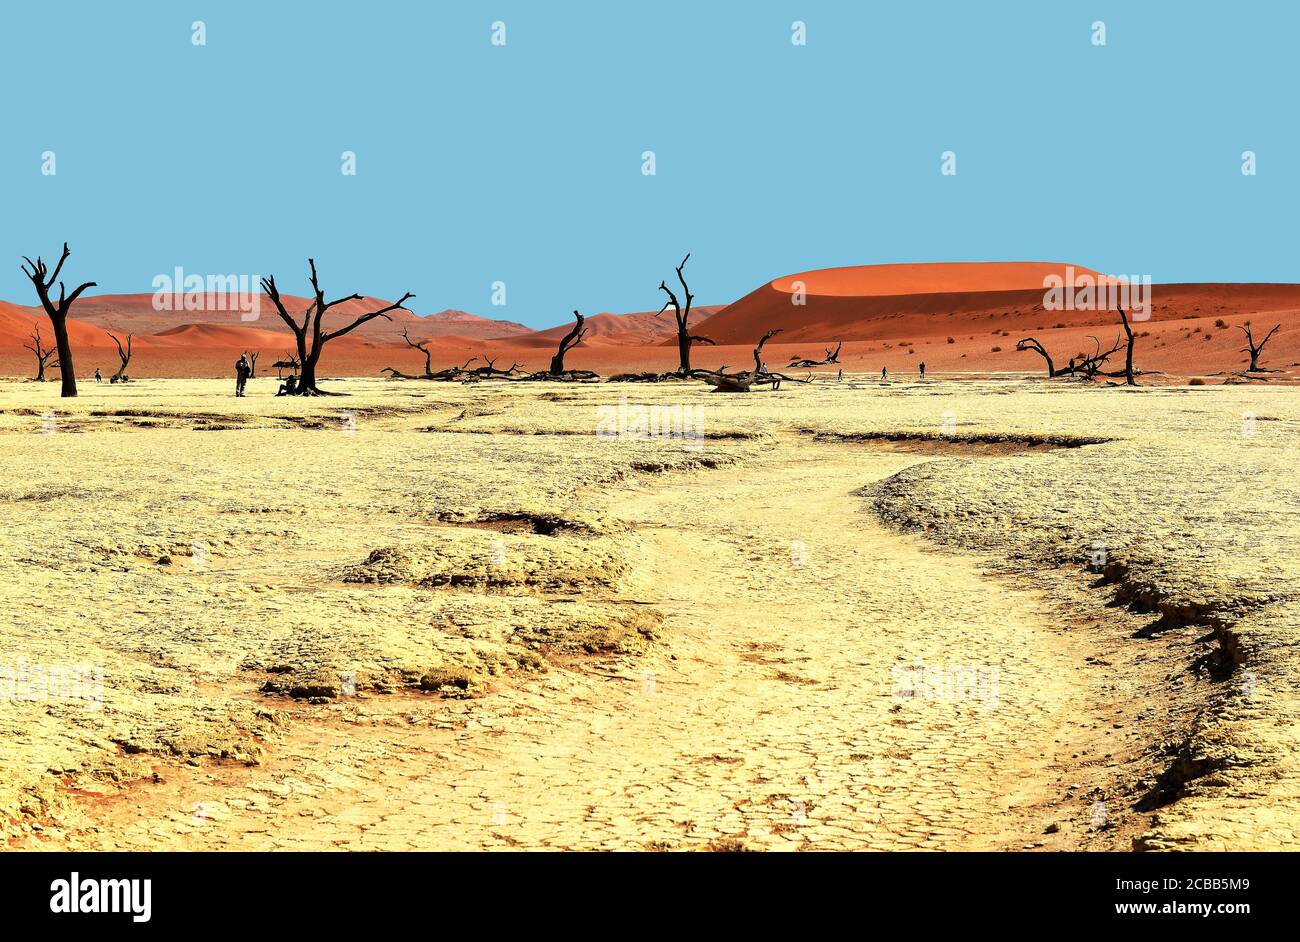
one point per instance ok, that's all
(242, 369)
(884, 374)
(922, 369)
(98, 377)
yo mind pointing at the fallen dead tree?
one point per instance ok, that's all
(463, 373)
(832, 357)
(746, 380)
(1087, 366)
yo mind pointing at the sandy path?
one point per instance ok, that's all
(767, 715)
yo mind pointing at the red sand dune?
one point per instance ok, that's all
(958, 318)
(860, 303)
(641, 328)
(191, 336)
(137, 313)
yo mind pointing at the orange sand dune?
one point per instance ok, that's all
(923, 278)
(1192, 331)
(137, 313)
(858, 303)
(643, 327)
(197, 336)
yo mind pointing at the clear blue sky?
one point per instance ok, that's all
(522, 163)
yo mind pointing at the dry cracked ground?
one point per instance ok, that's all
(942, 615)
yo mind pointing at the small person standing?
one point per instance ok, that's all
(242, 369)
(922, 369)
(98, 378)
(884, 374)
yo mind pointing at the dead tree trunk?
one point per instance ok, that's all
(57, 313)
(1128, 352)
(42, 354)
(832, 357)
(683, 314)
(746, 380)
(1029, 343)
(567, 343)
(310, 335)
(1255, 349)
(122, 354)
(759, 365)
(428, 357)
(252, 363)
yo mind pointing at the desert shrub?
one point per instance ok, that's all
(950, 340)
(1221, 324)
(996, 350)
(1196, 381)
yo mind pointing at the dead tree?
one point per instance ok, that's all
(1029, 343)
(1081, 365)
(57, 313)
(311, 336)
(1090, 366)
(1255, 349)
(42, 354)
(428, 357)
(252, 363)
(567, 343)
(290, 362)
(1128, 352)
(684, 337)
(832, 356)
(122, 354)
(489, 369)
(746, 380)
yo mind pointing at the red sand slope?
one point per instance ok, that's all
(957, 318)
(136, 313)
(637, 329)
(860, 303)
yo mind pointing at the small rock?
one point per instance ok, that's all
(164, 561)
(1052, 828)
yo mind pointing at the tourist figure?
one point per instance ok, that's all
(98, 378)
(289, 386)
(884, 374)
(922, 369)
(242, 369)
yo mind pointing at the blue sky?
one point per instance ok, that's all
(522, 164)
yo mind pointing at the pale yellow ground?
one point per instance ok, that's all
(705, 651)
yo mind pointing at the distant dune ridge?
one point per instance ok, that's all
(955, 316)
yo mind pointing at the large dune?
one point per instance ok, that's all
(138, 314)
(958, 319)
(861, 302)
(640, 328)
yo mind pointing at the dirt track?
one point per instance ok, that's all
(769, 716)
